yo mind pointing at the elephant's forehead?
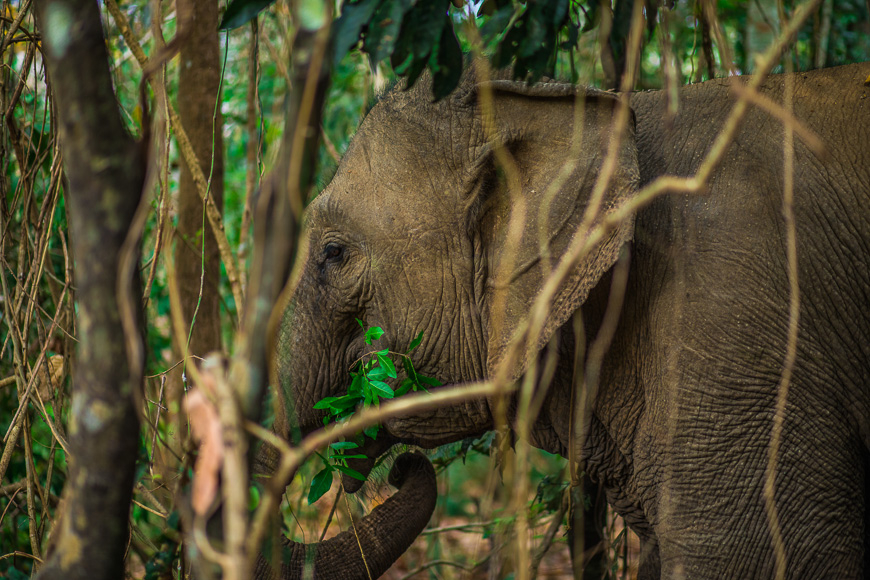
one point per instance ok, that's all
(382, 211)
(386, 185)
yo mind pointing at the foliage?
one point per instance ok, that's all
(367, 387)
(376, 40)
(368, 384)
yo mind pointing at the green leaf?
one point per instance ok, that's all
(383, 29)
(372, 432)
(356, 385)
(374, 333)
(351, 472)
(415, 343)
(325, 403)
(404, 387)
(429, 381)
(409, 369)
(378, 373)
(320, 484)
(432, 382)
(344, 445)
(253, 498)
(382, 389)
(338, 404)
(347, 28)
(418, 38)
(445, 79)
(240, 12)
(337, 456)
(497, 23)
(387, 365)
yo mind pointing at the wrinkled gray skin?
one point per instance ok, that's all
(410, 236)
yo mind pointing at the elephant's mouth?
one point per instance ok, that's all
(372, 449)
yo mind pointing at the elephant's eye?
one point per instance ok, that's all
(333, 252)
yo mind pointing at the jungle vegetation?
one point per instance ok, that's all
(136, 141)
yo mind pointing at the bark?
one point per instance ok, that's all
(708, 61)
(382, 536)
(106, 173)
(198, 87)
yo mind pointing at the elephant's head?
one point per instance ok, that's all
(414, 233)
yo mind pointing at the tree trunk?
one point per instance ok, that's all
(196, 251)
(197, 257)
(106, 172)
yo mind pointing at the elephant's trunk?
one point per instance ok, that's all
(380, 538)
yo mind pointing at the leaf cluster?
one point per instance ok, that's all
(368, 381)
(367, 387)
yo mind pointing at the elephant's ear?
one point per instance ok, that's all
(557, 137)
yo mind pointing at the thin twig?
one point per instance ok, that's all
(331, 513)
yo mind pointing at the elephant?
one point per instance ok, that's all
(674, 325)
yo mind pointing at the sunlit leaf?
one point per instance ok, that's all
(373, 333)
(387, 365)
(325, 403)
(415, 343)
(382, 389)
(356, 385)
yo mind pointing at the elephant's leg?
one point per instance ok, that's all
(650, 567)
(713, 520)
(588, 547)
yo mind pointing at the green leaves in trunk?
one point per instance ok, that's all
(320, 484)
(369, 380)
(368, 386)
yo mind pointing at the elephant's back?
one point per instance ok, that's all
(732, 239)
